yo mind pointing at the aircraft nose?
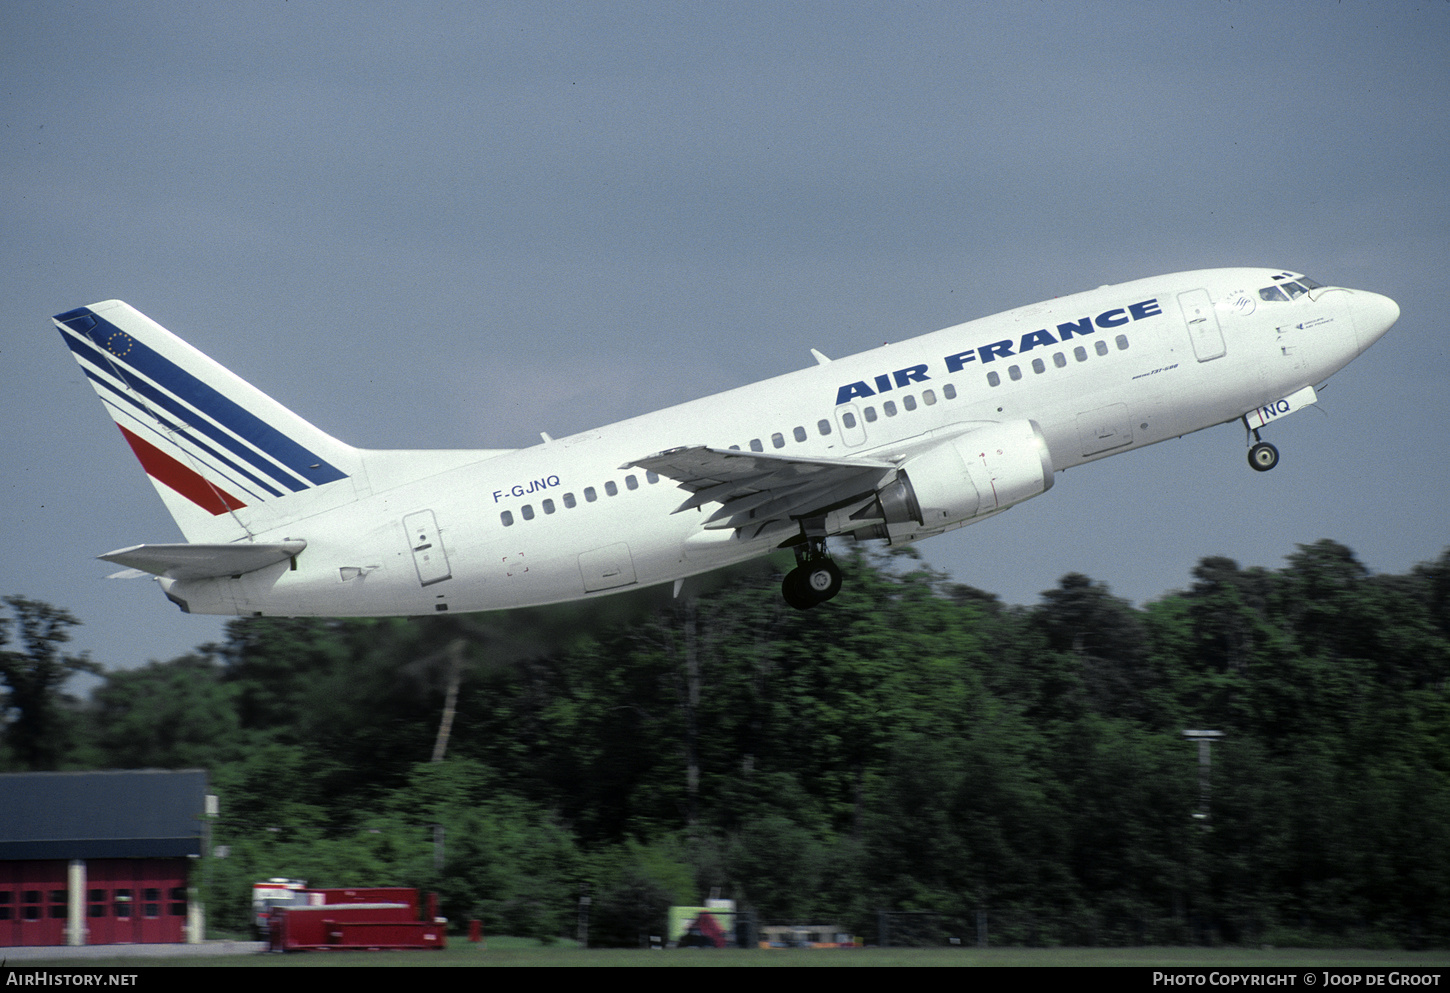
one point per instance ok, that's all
(1374, 314)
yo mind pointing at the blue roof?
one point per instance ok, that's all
(149, 813)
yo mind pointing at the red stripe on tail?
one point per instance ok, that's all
(180, 478)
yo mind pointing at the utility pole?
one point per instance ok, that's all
(1205, 741)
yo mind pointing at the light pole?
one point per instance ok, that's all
(1205, 741)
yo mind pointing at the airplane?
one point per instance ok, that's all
(899, 443)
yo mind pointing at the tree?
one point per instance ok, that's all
(34, 677)
(167, 715)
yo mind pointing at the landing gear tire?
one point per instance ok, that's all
(811, 584)
(823, 579)
(1263, 457)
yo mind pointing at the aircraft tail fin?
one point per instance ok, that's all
(228, 460)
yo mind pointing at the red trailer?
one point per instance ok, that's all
(358, 919)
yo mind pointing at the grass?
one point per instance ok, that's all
(519, 952)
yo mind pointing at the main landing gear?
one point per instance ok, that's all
(815, 579)
(1262, 455)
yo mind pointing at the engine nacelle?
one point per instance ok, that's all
(971, 475)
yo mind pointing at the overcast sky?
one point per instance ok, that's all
(461, 224)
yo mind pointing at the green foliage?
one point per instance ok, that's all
(913, 746)
(168, 715)
(34, 714)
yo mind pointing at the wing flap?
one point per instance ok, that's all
(755, 489)
(197, 561)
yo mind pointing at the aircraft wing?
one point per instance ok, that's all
(755, 489)
(194, 561)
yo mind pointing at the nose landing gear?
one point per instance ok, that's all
(1262, 455)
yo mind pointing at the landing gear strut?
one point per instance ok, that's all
(815, 579)
(1262, 456)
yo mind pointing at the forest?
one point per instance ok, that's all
(1017, 775)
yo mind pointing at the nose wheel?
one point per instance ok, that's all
(1263, 457)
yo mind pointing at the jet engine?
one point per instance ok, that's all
(964, 477)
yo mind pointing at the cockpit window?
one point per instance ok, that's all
(1289, 287)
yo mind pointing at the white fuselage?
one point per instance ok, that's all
(1148, 360)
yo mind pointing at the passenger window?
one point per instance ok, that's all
(824, 427)
(589, 494)
(735, 448)
(631, 482)
(848, 419)
(528, 512)
(1080, 353)
(651, 476)
(548, 506)
(993, 379)
(611, 489)
(799, 434)
(756, 446)
(777, 440)
(890, 407)
(569, 500)
(1101, 347)
(928, 398)
(1059, 360)
(1039, 366)
(909, 402)
(870, 413)
(507, 517)
(1015, 372)
(949, 391)
(1122, 342)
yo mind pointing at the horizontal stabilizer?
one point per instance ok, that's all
(204, 561)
